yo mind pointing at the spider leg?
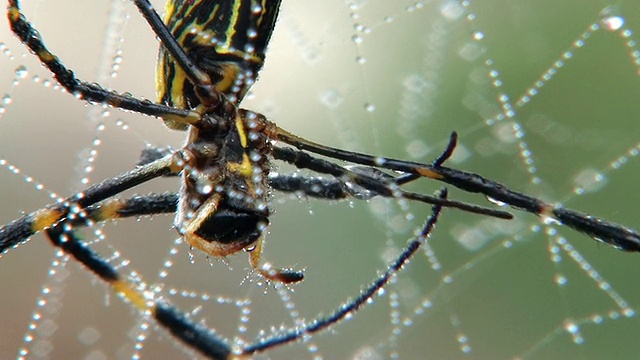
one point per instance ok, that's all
(315, 187)
(353, 305)
(201, 80)
(138, 294)
(18, 231)
(198, 227)
(378, 186)
(112, 209)
(361, 183)
(618, 236)
(84, 90)
(63, 235)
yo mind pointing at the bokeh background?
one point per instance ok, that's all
(543, 95)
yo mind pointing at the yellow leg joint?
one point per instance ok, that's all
(44, 219)
(429, 173)
(130, 293)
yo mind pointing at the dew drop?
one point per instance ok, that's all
(21, 72)
(561, 280)
(369, 107)
(610, 20)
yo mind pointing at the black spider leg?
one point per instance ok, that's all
(383, 188)
(81, 89)
(369, 182)
(618, 236)
(353, 305)
(63, 236)
(444, 156)
(16, 232)
(200, 80)
(205, 340)
(311, 186)
(139, 205)
(194, 335)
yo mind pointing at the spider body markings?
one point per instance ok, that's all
(222, 207)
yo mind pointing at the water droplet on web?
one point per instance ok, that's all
(571, 327)
(610, 20)
(547, 220)
(21, 72)
(561, 280)
(204, 186)
(369, 107)
(368, 353)
(497, 202)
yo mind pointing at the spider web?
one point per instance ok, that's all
(544, 96)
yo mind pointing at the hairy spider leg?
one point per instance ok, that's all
(18, 231)
(362, 182)
(156, 163)
(206, 341)
(139, 295)
(353, 305)
(619, 236)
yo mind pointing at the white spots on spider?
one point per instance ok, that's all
(204, 186)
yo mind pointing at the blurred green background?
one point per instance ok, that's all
(544, 97)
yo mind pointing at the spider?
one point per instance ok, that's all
(211, 52)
